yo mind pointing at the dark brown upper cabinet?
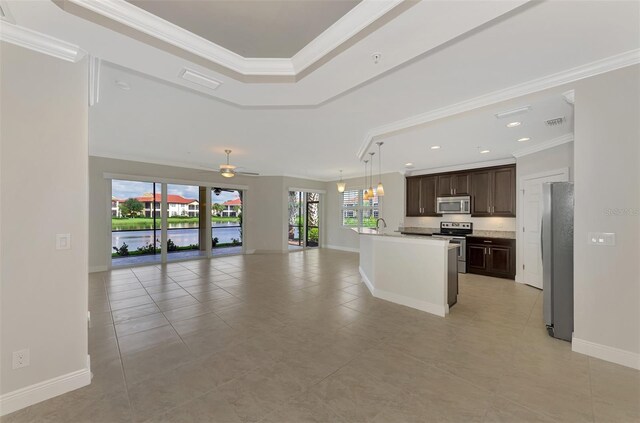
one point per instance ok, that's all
(453, 184)
(421, 196)
(493, 192)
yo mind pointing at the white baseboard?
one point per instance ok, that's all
(436, 309)
(337, 247)
(607, 353)
(94, 269)
(431, 308)
(250, 251)
(41, 391)
(367, 282)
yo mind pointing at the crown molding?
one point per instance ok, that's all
(41, 43)
(94, 80)
(563, 139)
(464, 166)
(608, 64)
(358, 18)
(361, 16)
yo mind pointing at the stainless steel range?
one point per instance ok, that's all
(456, 233)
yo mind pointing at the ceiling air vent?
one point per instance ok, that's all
(555, 121)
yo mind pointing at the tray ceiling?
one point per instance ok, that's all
(260, 29)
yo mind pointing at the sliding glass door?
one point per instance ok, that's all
(183, 221)
(200, 222)
(226, 221)
(304, 220)
(135, 222)
(313, 219)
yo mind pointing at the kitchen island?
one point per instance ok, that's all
(415, 271)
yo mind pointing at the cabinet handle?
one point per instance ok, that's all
(489, 250)
(488, 242)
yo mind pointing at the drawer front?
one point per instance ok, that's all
(490, 241)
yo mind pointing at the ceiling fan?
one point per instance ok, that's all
(229, 171)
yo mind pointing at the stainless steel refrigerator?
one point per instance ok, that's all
(557, 258)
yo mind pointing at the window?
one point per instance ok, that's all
(358, 212)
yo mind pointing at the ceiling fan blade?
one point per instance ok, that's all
(248, 173)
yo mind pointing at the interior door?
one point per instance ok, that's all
(531, 236)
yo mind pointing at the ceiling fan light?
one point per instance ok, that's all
(380, 190)
(227, 173)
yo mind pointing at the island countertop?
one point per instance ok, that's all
(397, 234)
(476, 232)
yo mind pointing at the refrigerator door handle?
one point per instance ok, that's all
(541, 241)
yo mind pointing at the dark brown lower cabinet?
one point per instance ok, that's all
(492, 257)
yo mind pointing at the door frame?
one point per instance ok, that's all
(321, 202)
(563, 176)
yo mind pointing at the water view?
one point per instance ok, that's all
(181, 236)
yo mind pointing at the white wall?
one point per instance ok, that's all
(556, 158)
(43, 168)
(607, 176)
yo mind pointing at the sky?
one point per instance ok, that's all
(128, 189)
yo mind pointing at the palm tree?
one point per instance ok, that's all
(217, 209)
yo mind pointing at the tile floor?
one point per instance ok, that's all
(297, 338)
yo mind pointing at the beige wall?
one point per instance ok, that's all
(43, 187)
(607, 176)
(391, 209)
(265, 203)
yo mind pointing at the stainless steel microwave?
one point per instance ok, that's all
(454, 205)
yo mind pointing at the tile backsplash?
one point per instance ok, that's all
(479, 223)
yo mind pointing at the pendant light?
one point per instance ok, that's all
(365, 195)
(341, 184)
(370, 191)
(380, 187)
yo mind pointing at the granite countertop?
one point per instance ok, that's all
(393, 234)
(494, 234)
(418, 230)
(479, 233)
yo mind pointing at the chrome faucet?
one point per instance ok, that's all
(378, 220)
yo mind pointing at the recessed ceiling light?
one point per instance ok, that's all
(485, 151)
(435, 147)
(513, 124)
(524, 139)
(408, 164)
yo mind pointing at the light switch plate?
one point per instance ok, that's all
(63, 241)
(601, 238)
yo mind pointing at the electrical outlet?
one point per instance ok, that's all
(21, 358)
(63, 241)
